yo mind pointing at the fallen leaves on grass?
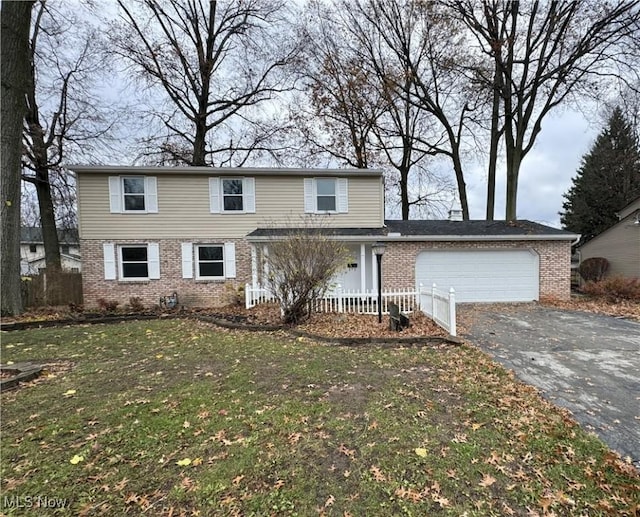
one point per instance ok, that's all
(76, 459)
(622, 308)
(421, 452)
(367, 326)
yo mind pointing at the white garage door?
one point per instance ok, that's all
(481, 275)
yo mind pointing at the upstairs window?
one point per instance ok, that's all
(133, 194)
(326, 195)
(232, 195)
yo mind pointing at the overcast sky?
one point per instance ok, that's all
(545, 174)
(546, 171)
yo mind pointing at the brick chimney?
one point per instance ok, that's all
(455, 214)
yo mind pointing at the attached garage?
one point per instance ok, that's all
(482, 275)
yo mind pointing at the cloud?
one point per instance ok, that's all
(545, 174)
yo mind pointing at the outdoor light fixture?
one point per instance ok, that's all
(378, 248)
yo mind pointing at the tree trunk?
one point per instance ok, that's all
(404, 194)
(199, 143)
(514, 159)
(14, 63)
(493, 147)
(41, 182)
(48, 221)
(462, 186)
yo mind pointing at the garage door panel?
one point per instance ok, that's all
(482, 275)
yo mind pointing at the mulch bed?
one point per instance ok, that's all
(342, 328)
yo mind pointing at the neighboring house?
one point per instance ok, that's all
(32, 258)
(150, 231)
(619, 244)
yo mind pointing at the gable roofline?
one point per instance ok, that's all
(476, 230)
(623, 212)
(76, 258)
(431, 230)
(625, 220)
(221, 171)
(33, 235)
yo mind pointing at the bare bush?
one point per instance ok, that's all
(301, 263)
(593, 269)
(615, 288)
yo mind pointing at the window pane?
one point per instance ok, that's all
(211, 269)
(210, 252)
(133, 202)
(134, 254)
(327, 203)
(326, 187)
(232, 187)
(233, 203)
(135, 270)
(133, 185)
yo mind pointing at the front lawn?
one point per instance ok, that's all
(178, 417)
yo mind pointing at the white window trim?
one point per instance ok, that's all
(216, 195)
(196, 261)
(341, 196)
(191, 262)
(117, 195)
(153, 262)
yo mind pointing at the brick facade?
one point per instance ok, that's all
(191, 292)
(554, 262)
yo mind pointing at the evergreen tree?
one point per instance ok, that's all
(608, 179)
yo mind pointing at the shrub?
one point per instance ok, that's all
(615, 288)
(301, 266)
(108, 305)
(135, 302)
(594, 268)
(233, 296)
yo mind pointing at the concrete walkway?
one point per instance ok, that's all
(587, 363)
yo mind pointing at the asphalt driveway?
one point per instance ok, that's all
(587, 363)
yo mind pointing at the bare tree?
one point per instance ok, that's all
(545, 53)
(424, 43)
(215, 62)
(14, 65)
(63, 117)
(301, 263)
(363, 102)
(345, 101)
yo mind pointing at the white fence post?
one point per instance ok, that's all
(419, 297)
(433, 301)
(452, 311)
(339, 293)
(247, 296)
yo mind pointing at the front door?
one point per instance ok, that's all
(349, 279)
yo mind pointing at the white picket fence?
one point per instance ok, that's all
(440, 307)
(342, 300)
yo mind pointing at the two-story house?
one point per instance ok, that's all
(150, 231)
(32, 257)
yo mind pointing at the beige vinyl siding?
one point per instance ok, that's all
(183, 208)
(620, 245)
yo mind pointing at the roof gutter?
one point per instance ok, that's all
(221, 171)
(432, 238)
